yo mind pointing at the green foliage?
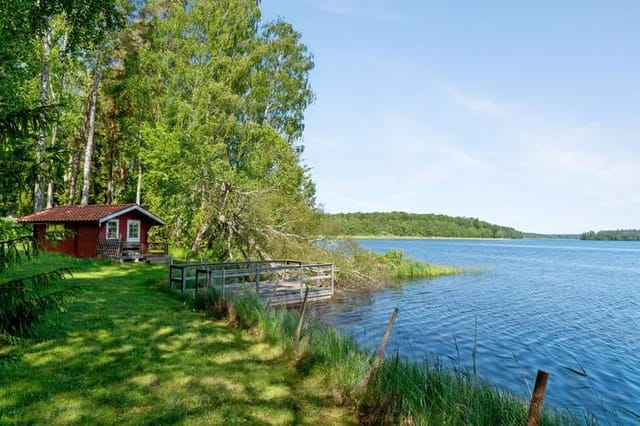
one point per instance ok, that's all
(27, 292)
(399, 224)
(25, 301)
(615, 235)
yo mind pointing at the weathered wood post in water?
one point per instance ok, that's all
(301, 319)
(377, 361)
(537, 398)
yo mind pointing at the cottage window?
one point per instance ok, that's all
(112, 230)
(55, 231)
(133, 231)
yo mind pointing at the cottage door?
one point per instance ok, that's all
(133, 231)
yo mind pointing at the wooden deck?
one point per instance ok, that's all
(277, 282)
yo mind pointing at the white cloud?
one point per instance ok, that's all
(476, 104)
(376, 9)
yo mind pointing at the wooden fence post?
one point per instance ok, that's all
(171, 276)
(537, 398)
(301, 279)
(377, 361)
(183, 279)
(257, 281)
(223, 282)
(301, 319)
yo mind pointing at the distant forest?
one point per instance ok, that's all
(616, 235)
(412, 225)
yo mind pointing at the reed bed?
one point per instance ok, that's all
(403, 392)
(409, 269)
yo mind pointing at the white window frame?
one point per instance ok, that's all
(131, 239)
(117, 236)
(57, 229)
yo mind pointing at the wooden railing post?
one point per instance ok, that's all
(257, 280)
(301, 279)
(537, 398)
(333, 277)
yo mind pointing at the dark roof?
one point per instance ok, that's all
(91, 213)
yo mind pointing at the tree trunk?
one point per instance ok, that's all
(139, 184)
(88, 152)
(112, 149)
(54, 130)
(41, 144)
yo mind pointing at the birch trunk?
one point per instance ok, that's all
(41, 144)
(139, 183)
(54, 131)
(88, 152)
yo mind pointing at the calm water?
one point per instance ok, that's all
(531, 304)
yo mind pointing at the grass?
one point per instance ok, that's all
(428, 394)
(126, 352)
(400, 267)
(403, 392)
(409, 269)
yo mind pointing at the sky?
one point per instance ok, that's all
(523, 114)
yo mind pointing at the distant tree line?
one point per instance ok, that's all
(614, 235)
(412, 225)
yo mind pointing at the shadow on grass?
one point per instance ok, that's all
(125, 352)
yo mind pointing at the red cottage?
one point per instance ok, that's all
(117, 231)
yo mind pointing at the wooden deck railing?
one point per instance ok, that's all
(277, 281)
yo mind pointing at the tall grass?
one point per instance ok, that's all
(411, 393)
(400, 267)
(403, 392)
(409, 268)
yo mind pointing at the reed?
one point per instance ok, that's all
(411, 393)
(409, 269)
(400, 267)
(403, 392)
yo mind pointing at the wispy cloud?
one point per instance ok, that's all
(376, 9)
(476, 104)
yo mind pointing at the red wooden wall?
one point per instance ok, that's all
(83, 243)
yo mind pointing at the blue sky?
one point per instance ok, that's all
(524, 114)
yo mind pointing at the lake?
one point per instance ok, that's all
(563, 306)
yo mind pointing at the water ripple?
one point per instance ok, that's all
(563, 306)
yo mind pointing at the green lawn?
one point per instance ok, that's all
(126, 352)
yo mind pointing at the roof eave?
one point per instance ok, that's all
(129, 209)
